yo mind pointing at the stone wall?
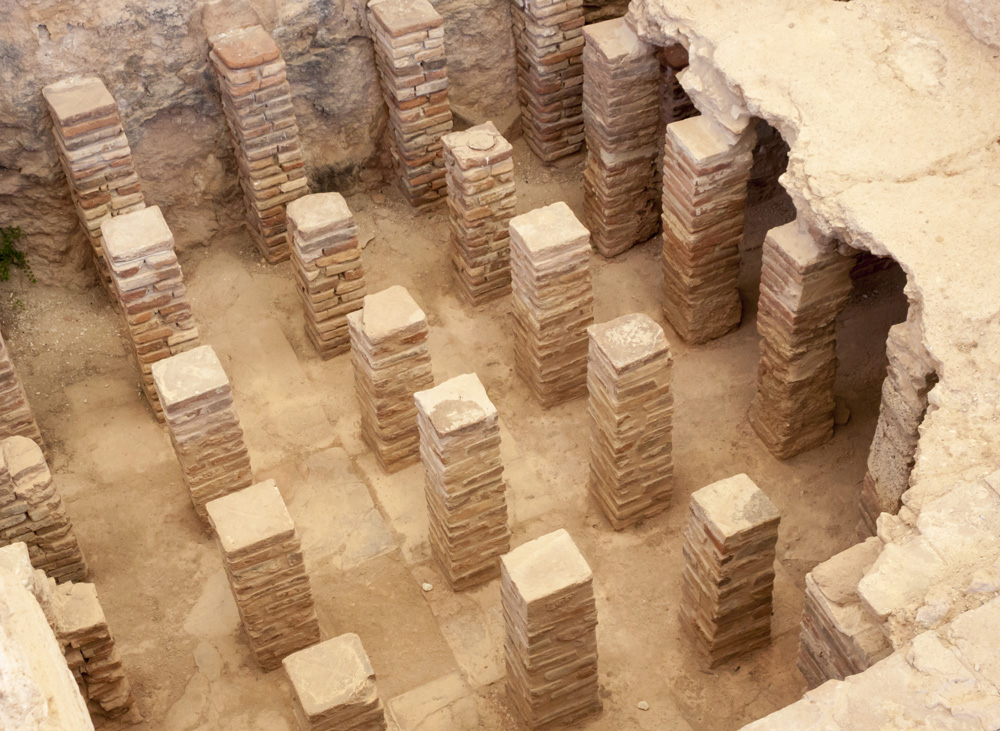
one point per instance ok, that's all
(153, 56)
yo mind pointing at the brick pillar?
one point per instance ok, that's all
(631, 419)
(391, 363)
(910, 376)
(553, 302)
(204, 428)
(328, 270)
(150, 288)
(16, 418)
(803, 287)
(481, 200)
(705, 175)
(33, 512)
(409, 51)
(466, 504)
(334, 687)
(95, 156)
(93, 658)
(621, 111)
(548, 35)
(729, 552)
(550, 618)
(675, 104)
(257, 101)
(263, 559)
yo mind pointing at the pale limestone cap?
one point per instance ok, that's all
(245, 47)
(455, 404)
(549, 227)
(249, 516)
(701, 138)
(77, 608)
(615, 40)
(137, 234)
(629, 340)
(78, 98)
(389, 313)
(319, 213)
(400, 17)
(329, 674)
(797, 243)
(188, 375)
(735, 505)
(15, 563)
(546, 565)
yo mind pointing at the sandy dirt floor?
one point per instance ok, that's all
(438, 656)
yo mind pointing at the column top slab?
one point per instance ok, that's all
(546, 565)
(400, 17)
(251, 516)
(477, 146)
(188, 375)
(330, 674)
(137, 234)
(319, 213)
(391, 313)
(735, 505)
(616, 41)
(630, 340)
(798, 244)
(701, 138)
(246, 47)
(548, 229)
(77, 608)
(76, 98)
(456, 404)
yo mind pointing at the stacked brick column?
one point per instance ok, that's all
(803, 287)
(466, 504)
(550, 618)
(480, 174)
(548, 35)
(95, 156)
(33, 513)
(334, 687)
(705, 174)
(391, 363)
(328, 270)
(16, 418)
(150, 288)
(631, 419)
(409, 51)
(204, 428)
(729, 552)
(675, 104)
(904, 403)
(91, 653)
(264, 563)
(257, 101)
(553, 302)
(621, 111)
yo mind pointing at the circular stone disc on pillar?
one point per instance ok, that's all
(480, 141)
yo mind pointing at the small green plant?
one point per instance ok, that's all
(10, 254)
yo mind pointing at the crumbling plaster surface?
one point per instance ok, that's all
(153, 56)
(890, 109)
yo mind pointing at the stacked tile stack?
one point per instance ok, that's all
(33, 513)
(263, 559)
(409, 52)
(840, 637)
(675, 104)
(391, 363)
(466, 504)
(621, 112)
(257, 101)
(91, 653)
(334, 687)
(910, 376)
(631, 419)
(803, 287)
(553, 302)
(16, 418)
(95, 156)
(548, 35)
(150, 288)
(705, 174)
(480, 174)
(729, 552)
(328, 270)
(204, 428)
(550, 645)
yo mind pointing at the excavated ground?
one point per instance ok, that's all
(438, 656)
